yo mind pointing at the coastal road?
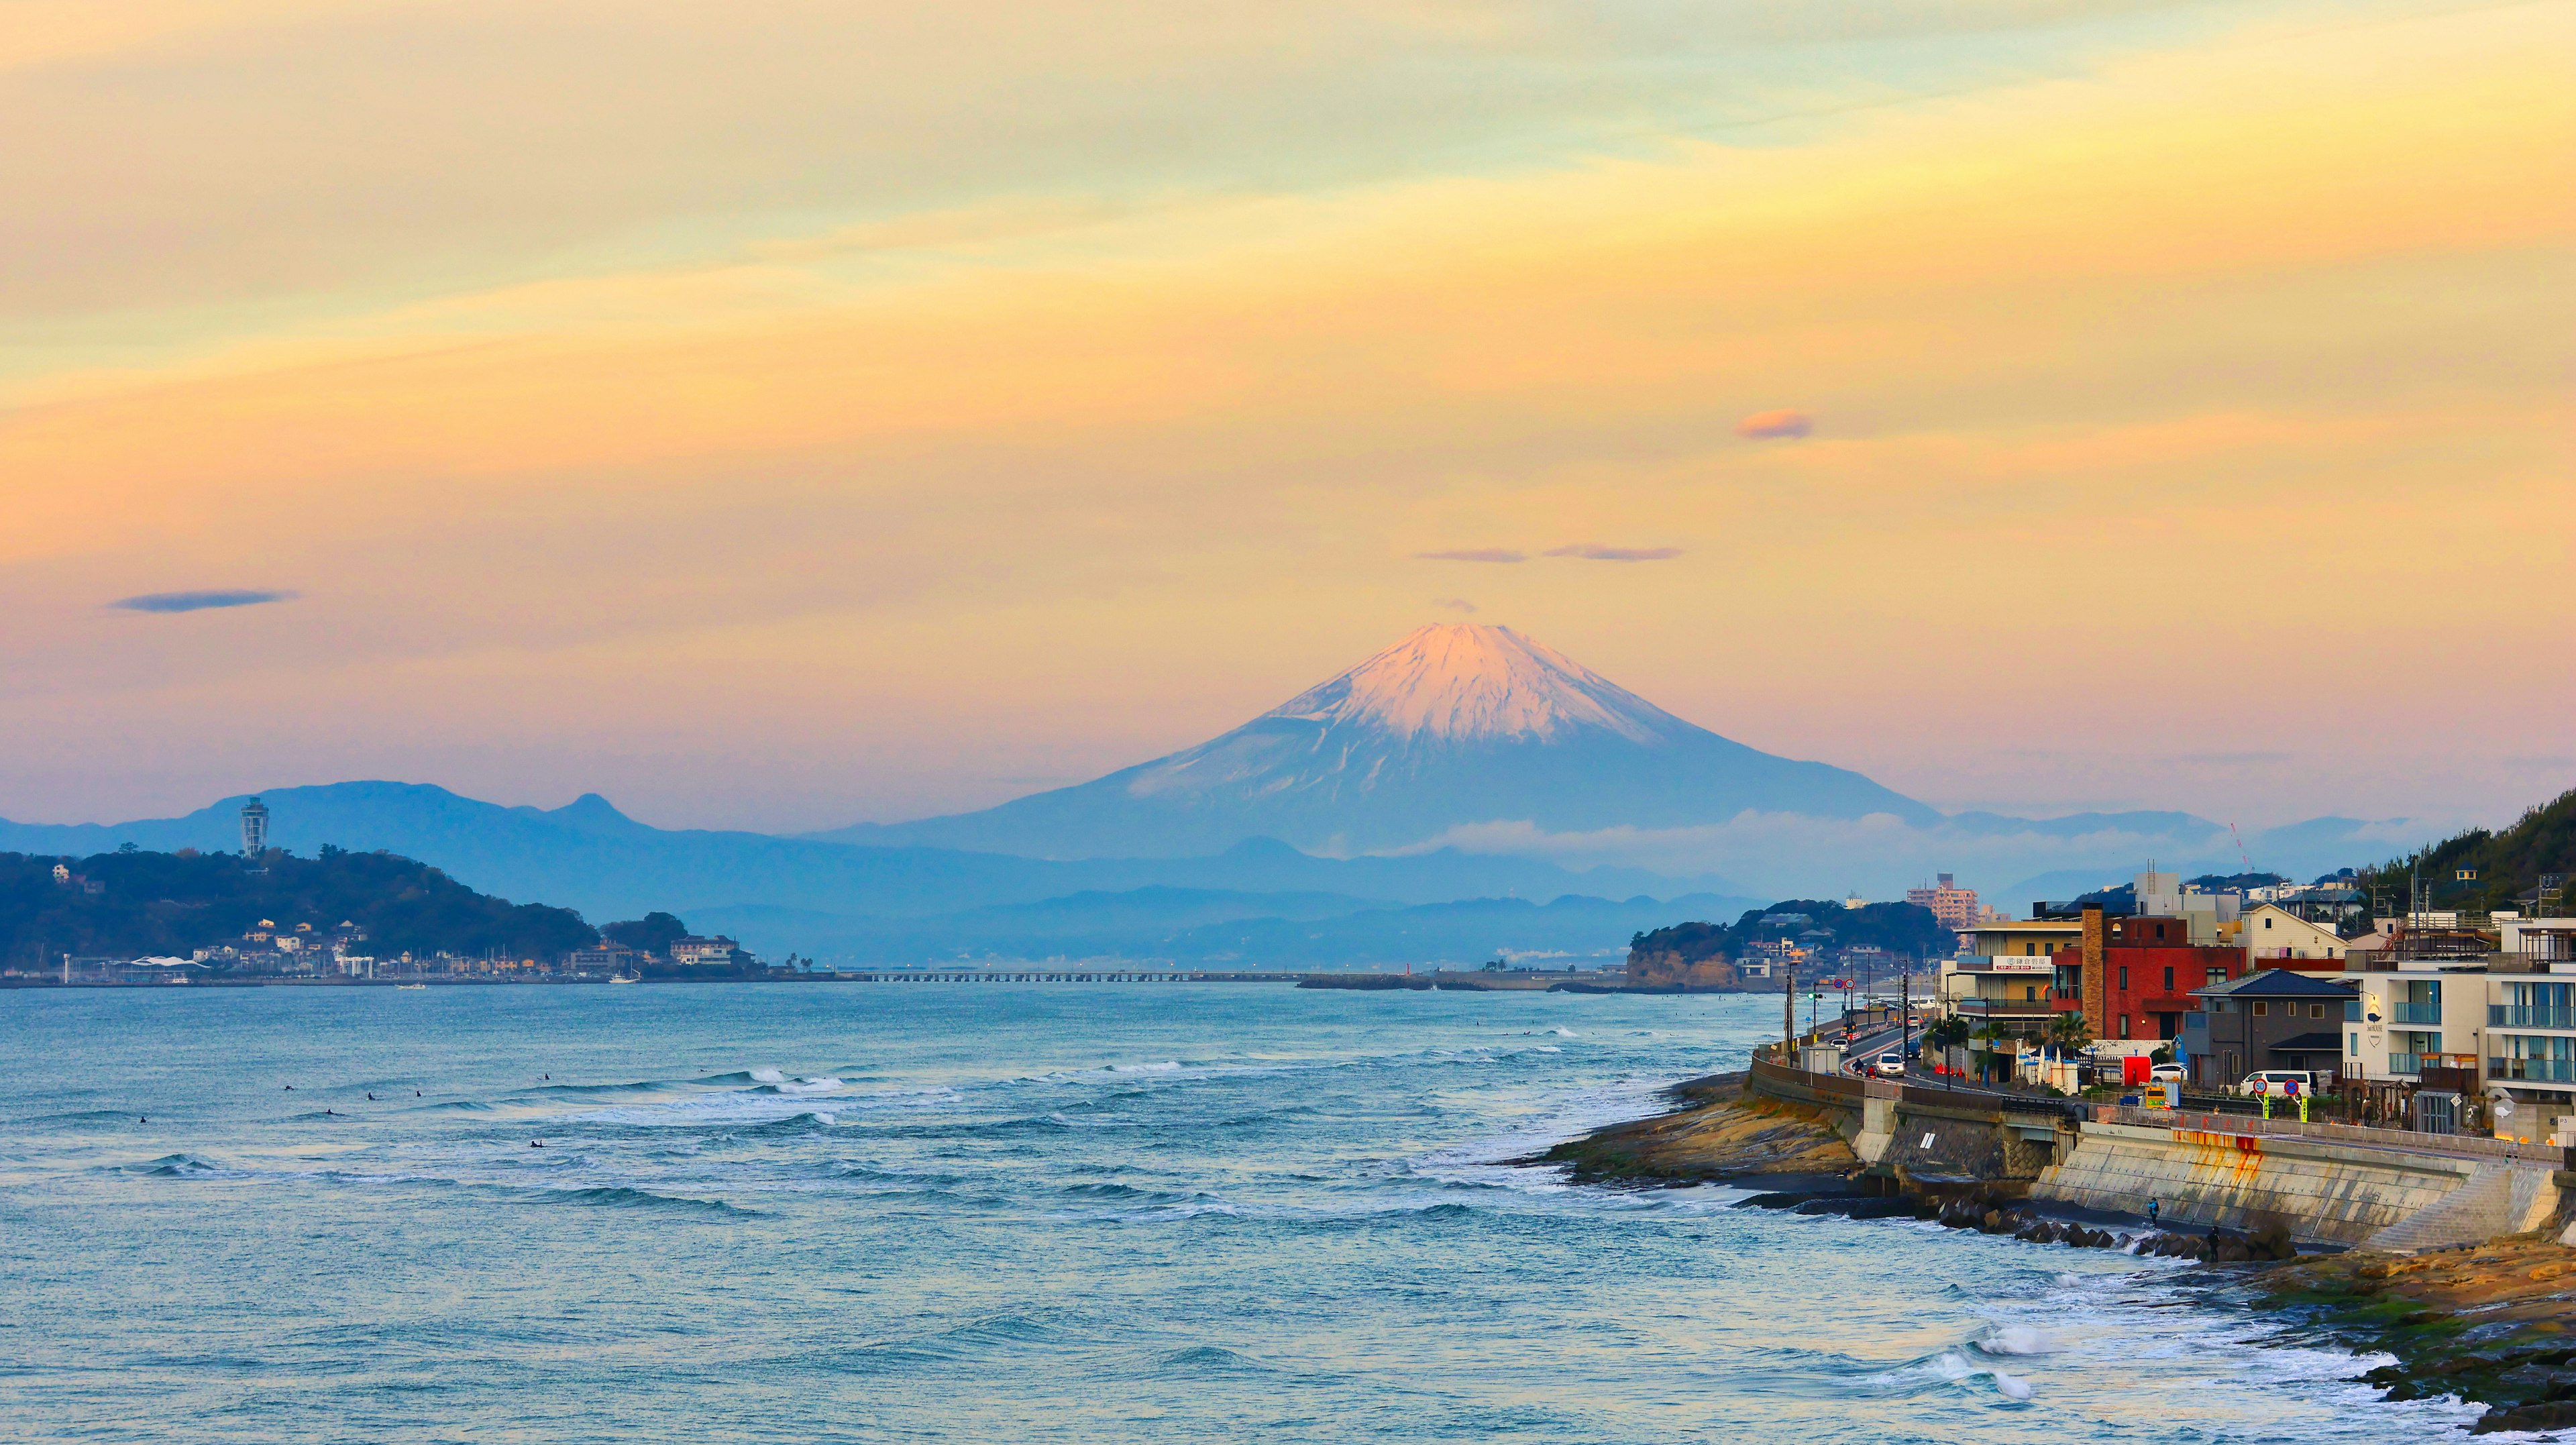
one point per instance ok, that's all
(1867, 1046)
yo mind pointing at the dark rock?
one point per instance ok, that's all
(2542, 1415)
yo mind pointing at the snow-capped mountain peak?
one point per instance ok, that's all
(1462, 681)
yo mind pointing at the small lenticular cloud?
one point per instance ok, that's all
(1595, 552)
(1774, 425)
(1455, 604)
(199, 601)
(1474, 554)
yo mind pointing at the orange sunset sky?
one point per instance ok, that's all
(777, 415)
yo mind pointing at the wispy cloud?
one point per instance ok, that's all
(1595, 552)
(2233, 759)
(1774, 425)
(200, 601)
(1474, 554)
(1455, 604)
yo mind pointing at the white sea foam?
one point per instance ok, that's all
(1167, 1066)
(767, 1076)
(808, 1086)
(1955, 1366)
(2016, 1340)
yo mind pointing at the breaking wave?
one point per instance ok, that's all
(618, 1196)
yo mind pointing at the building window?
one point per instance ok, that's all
(2261, 1008)
(2124, 978)
(2218, 973)
(2168, 979)
(2124, 1026)
(2030, 993)
(2355, 1048)
(2316, 1010)
(2267, 924)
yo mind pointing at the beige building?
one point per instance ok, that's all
(2271, 931)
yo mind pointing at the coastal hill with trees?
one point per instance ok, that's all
(1682, 954)
(2507, 864)
(133, 903)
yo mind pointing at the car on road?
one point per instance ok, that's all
(1889, 1065)
(2166, 1074)
(2277, 1081)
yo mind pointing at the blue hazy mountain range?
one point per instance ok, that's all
(1466, 765)
(589, 856)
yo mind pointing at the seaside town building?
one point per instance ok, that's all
(2491, 1014)
(2274, 932)
(1953, 906)
(695, 951)
(2165, 895)
(2273, 1019)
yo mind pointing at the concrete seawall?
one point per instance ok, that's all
(2326, 1184)
(2324, 1191)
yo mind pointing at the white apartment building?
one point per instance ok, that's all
(2165, 895)
(2510, 1016)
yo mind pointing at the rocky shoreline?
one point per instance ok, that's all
(2489, 1323)
(2493, 1324)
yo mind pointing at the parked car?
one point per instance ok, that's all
(2166, 1074)
(2276, 1081)
(1889, 1065)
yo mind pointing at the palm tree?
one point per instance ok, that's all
(2070, 1032)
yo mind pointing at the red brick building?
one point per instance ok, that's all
(2132, 978)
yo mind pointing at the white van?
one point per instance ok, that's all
(2276, 1082)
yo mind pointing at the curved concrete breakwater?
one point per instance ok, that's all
(2455, 1255)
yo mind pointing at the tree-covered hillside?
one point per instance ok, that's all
(2508, 864)
(135, 903)
(1906, 928)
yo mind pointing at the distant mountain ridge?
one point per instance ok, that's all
(589, 856)
(1456, 725)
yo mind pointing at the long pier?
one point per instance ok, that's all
(1023, 975)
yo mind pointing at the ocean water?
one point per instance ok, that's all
(1056, 1213)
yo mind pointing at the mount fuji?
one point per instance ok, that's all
(1455, 726)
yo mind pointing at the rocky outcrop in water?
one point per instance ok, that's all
(1720, 1134)
(2487, 1323)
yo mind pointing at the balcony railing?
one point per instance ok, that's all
(2418, 1013)
(2529, 1016)
(2038, 1008)
(2537, 1071)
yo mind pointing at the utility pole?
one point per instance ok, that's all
(1788, 1010)
(1904, 1015)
